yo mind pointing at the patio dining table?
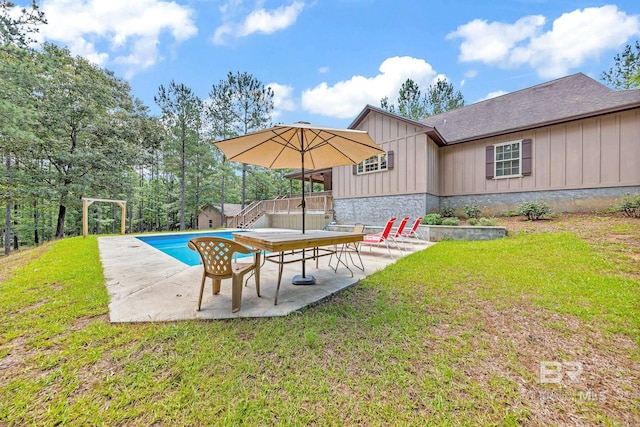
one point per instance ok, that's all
(290, 246)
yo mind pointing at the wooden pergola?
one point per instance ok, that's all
(86, 202)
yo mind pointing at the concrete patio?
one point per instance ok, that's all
(147, 285)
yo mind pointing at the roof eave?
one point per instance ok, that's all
(548, 123)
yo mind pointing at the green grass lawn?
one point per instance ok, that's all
(453, 335)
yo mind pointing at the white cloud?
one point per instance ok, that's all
(129, 30)
(494, 95)
(577, 36)
(346, 98)
(471, 74)
(258, 21)
(323, 70)
(492, 42)
(573, 38)
(87, 50)
(282, 99)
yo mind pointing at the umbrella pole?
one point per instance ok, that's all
(304, 279)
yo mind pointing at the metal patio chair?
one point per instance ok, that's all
(348, 249)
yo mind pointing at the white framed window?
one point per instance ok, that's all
(512, 159)
(508, 159)
(374, 164)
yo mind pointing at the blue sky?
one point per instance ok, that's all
(327, 59)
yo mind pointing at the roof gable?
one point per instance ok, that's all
(428, 129)
(568, 98)
(230, 209)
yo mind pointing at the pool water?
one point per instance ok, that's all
(175, 245)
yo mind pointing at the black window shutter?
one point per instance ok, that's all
(390, 160)
(489, 170)
(526, 157)
(354, 169)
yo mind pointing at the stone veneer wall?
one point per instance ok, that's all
(377, 210)
(589, 200)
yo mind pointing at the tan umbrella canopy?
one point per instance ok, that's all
(300, 145)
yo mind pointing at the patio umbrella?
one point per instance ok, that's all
(300, 145)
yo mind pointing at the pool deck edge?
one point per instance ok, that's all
(145, 284)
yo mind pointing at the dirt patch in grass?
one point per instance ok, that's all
(605, 381)
(15, 357)
(505, 347)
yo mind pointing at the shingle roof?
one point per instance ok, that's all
(560, 100)
(230, 209)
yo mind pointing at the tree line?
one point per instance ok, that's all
(69, 129)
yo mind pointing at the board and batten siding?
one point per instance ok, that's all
(596, 152)
(415, 168)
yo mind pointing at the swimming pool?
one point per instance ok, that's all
(175, 245)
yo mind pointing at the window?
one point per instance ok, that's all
(380, 162)
(210, 223)
(507, 159)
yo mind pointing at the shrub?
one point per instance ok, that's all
(472, 221)
(472, 210)
(630, 205)
(534, 210)
(432, 219)
(451, 221)
(488, 222)
(447, 212)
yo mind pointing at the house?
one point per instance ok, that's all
(572, 142)
(210, 216)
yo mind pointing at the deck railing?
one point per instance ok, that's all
(247, 216)
(315, 204)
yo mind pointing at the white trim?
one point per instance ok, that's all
(378, 169)
(495, 159)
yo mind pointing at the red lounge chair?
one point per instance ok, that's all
(376, 239)
(397, 234)
(414, 232)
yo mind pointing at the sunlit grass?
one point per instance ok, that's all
(415, 344)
